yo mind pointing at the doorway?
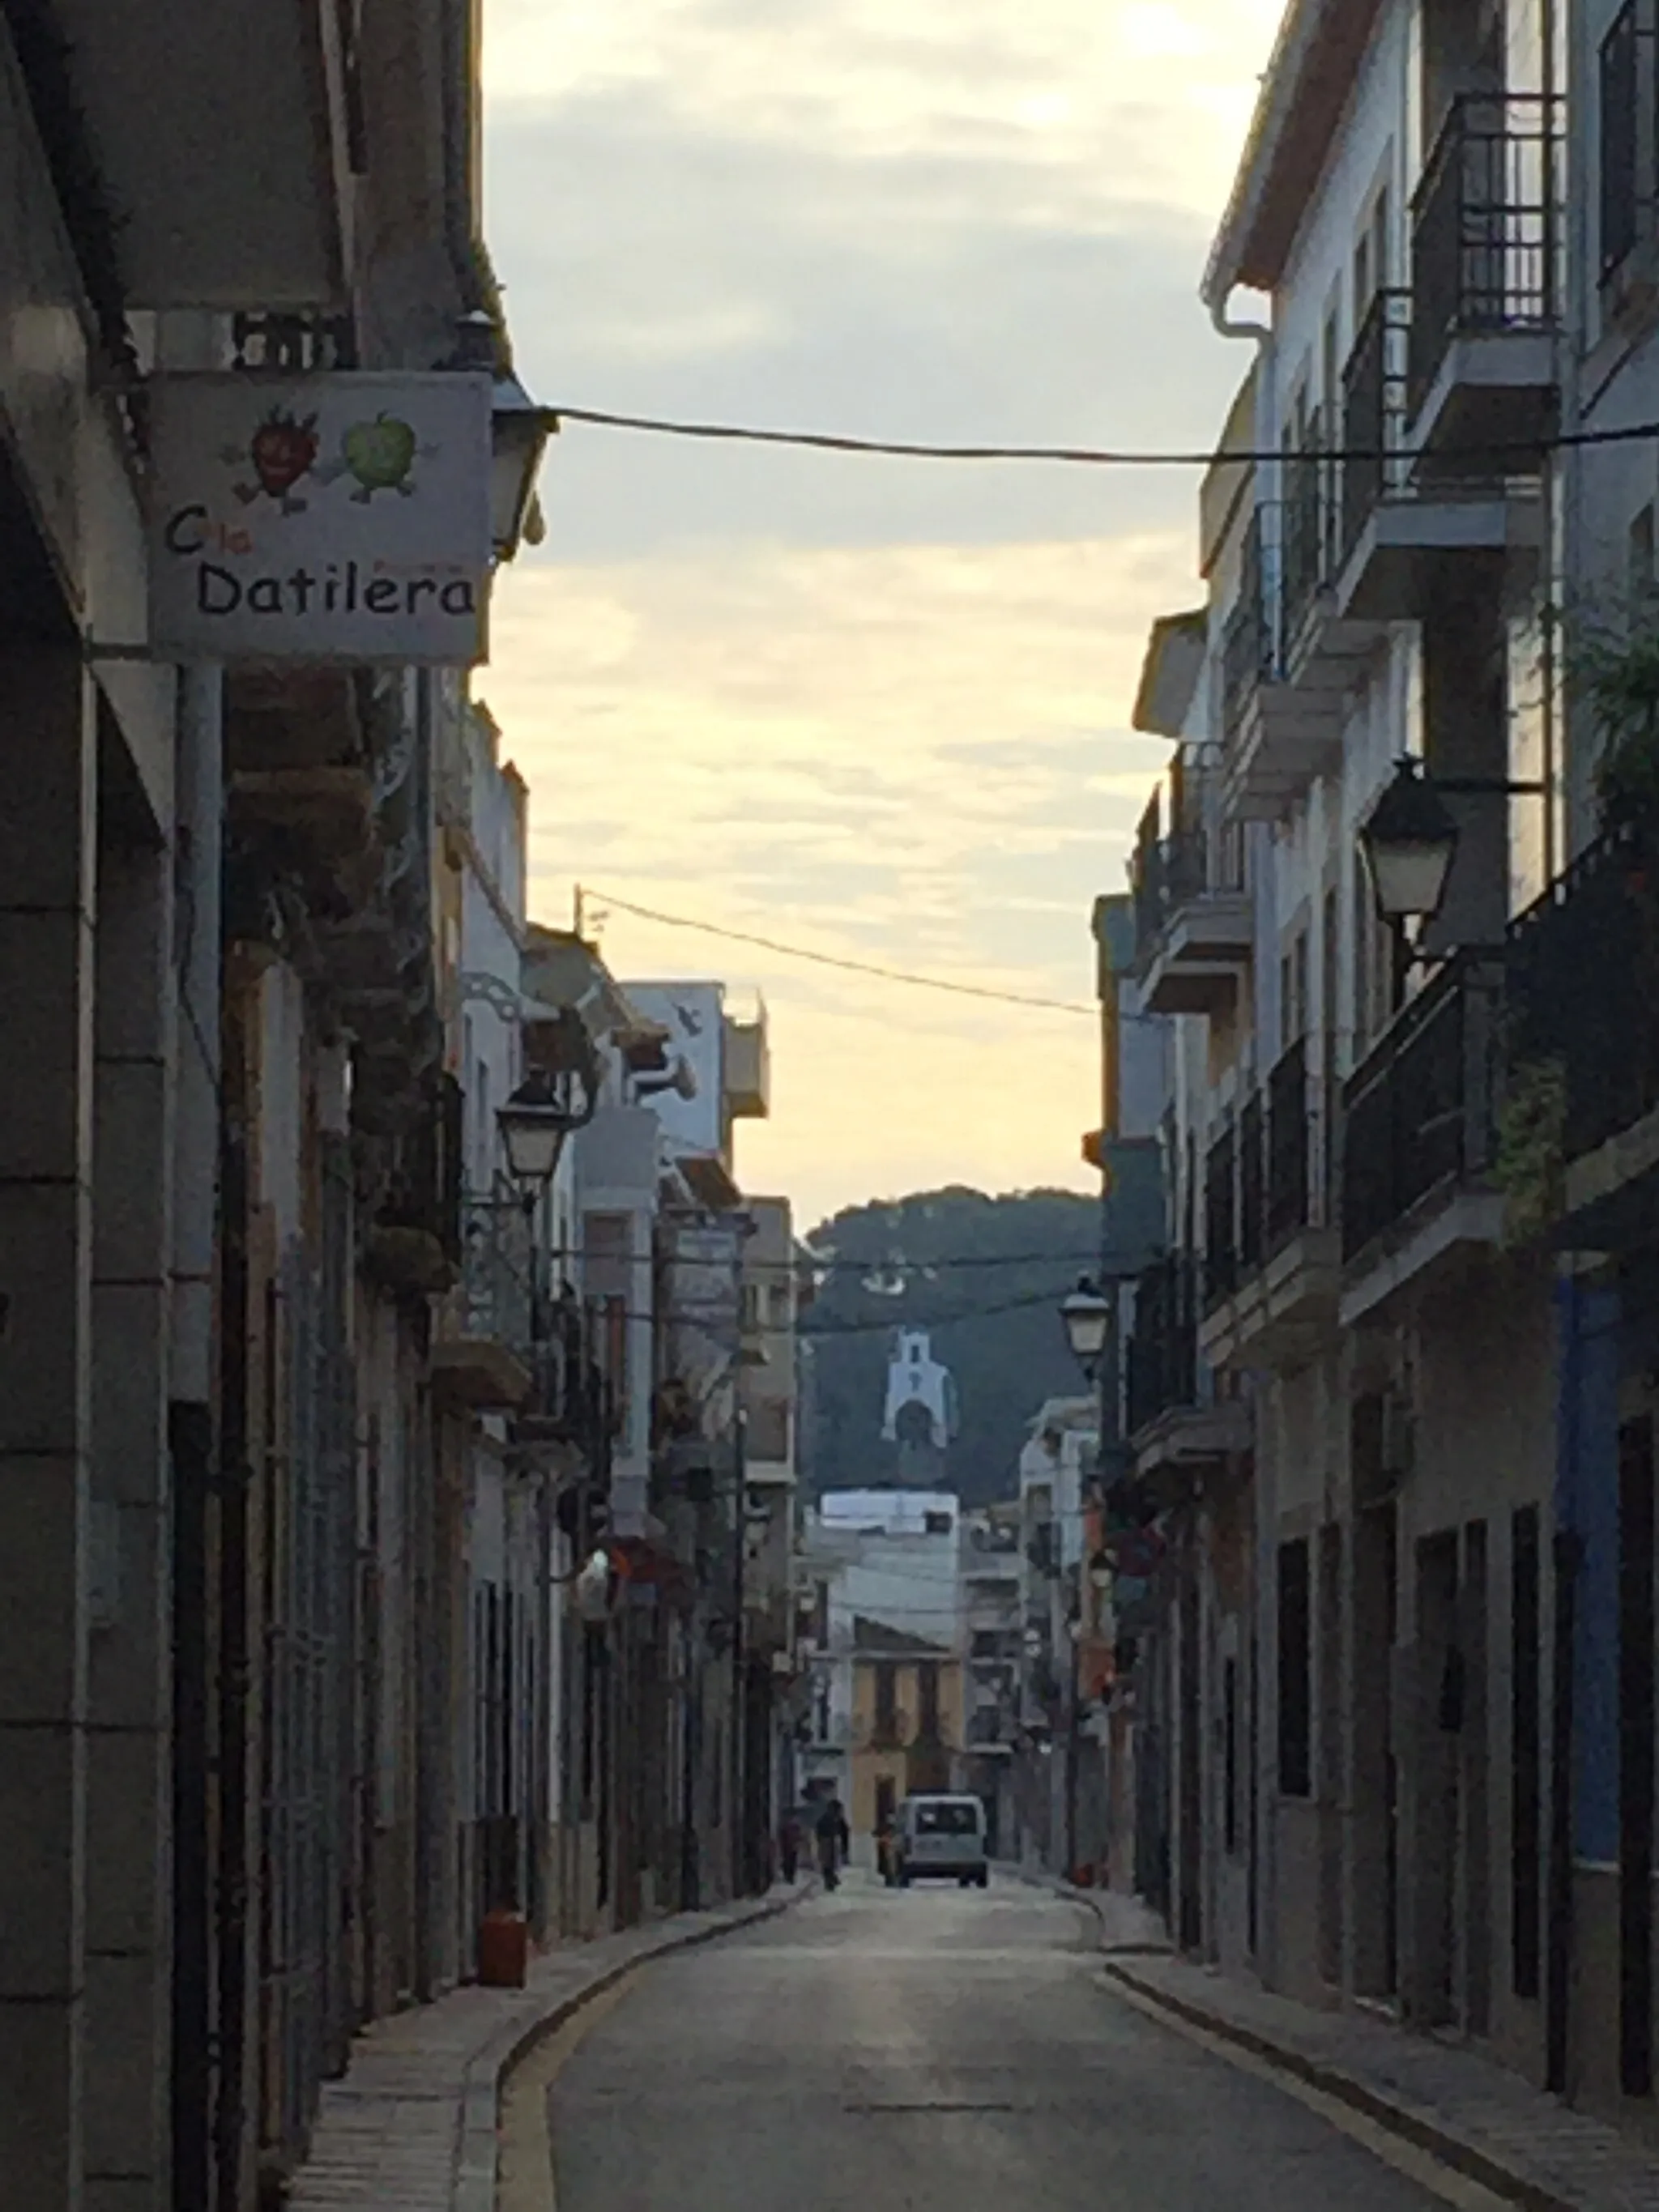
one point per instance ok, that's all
(1442, 1695)
(1376, 1938)
(1636, 1756)
(1476, 1832)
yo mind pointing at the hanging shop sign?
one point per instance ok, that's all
(342, 517)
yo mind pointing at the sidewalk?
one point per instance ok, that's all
(412, 2126)
(1449, 2100)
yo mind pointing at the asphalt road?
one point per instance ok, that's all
(928, 2050)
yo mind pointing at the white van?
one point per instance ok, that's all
(941, 1837)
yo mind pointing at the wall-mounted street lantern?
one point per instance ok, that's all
(1088, 1318)
(1409, 840)
(559, 1095)
(518, 432)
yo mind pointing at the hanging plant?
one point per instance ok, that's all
(1531, 1162)
(1615, 665)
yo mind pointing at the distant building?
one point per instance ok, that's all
(886, 1708)
(920, 1417)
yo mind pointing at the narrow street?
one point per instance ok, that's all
(932, 2052)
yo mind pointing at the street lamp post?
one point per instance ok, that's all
(559, 1095)
(1090, 1317)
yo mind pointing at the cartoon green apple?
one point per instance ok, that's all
(379, 455)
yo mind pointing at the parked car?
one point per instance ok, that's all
(941, 1838)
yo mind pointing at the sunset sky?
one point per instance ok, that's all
(875, 708)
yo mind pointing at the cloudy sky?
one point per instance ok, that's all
(875, 708)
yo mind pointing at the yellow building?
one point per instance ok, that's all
(907, 1721)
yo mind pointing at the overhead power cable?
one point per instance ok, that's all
(1516, 449)
(853, 967)
(712, 1324)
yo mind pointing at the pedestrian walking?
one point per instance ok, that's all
(834, 1841)
(789, 1846)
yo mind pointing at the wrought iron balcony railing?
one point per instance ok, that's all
(1162, 1349)
(1583, 964)
(1249, 639)
(1619, 193)
(1252, 1186)
(1166, 872)
(1309, 519)
(1170, 873)
(1299, 1137)
(1374, 465)
(1483, 253)
(1421, 1113)
(1221, 1217)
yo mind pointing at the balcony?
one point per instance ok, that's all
(1272, 1275)
(1325, 653)
(1486, 281)
(1419, 1129)
(1192, 926)
(1585, 1001)
(1174, 1425)
(748, 1071)
(1278, 733)
(483, 1358)
(989, 1733)
(1405, 535)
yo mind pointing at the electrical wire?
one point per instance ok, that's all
(696, 1317)
(1085, 456)
(811, 1264)
(853, 967)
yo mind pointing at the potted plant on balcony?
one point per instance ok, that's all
(1531, 1158)
(1617, 672)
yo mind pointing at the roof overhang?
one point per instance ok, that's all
(1305, 95)
(563, 969)
(214, 126)
(1169, 674)
(709, 1180)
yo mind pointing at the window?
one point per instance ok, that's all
(766, 1437)
(1620, 127)
(1382, 257)
(1640, 557)
(1367, 935)
(1295, 1705)
(1364, 283)
(1331, 1776)
(936, 1524)
(927, 1699)
(947, 1818)
(886, 1722)
(1293, 1006)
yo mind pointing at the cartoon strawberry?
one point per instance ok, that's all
(283, 451)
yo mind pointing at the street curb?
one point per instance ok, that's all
(1163, 1948)
(1399, 2119)
(478, 2152)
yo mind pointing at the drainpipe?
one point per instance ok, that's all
(737, 1746)
(199, 842)
(1264, 441)
(234, 1655)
